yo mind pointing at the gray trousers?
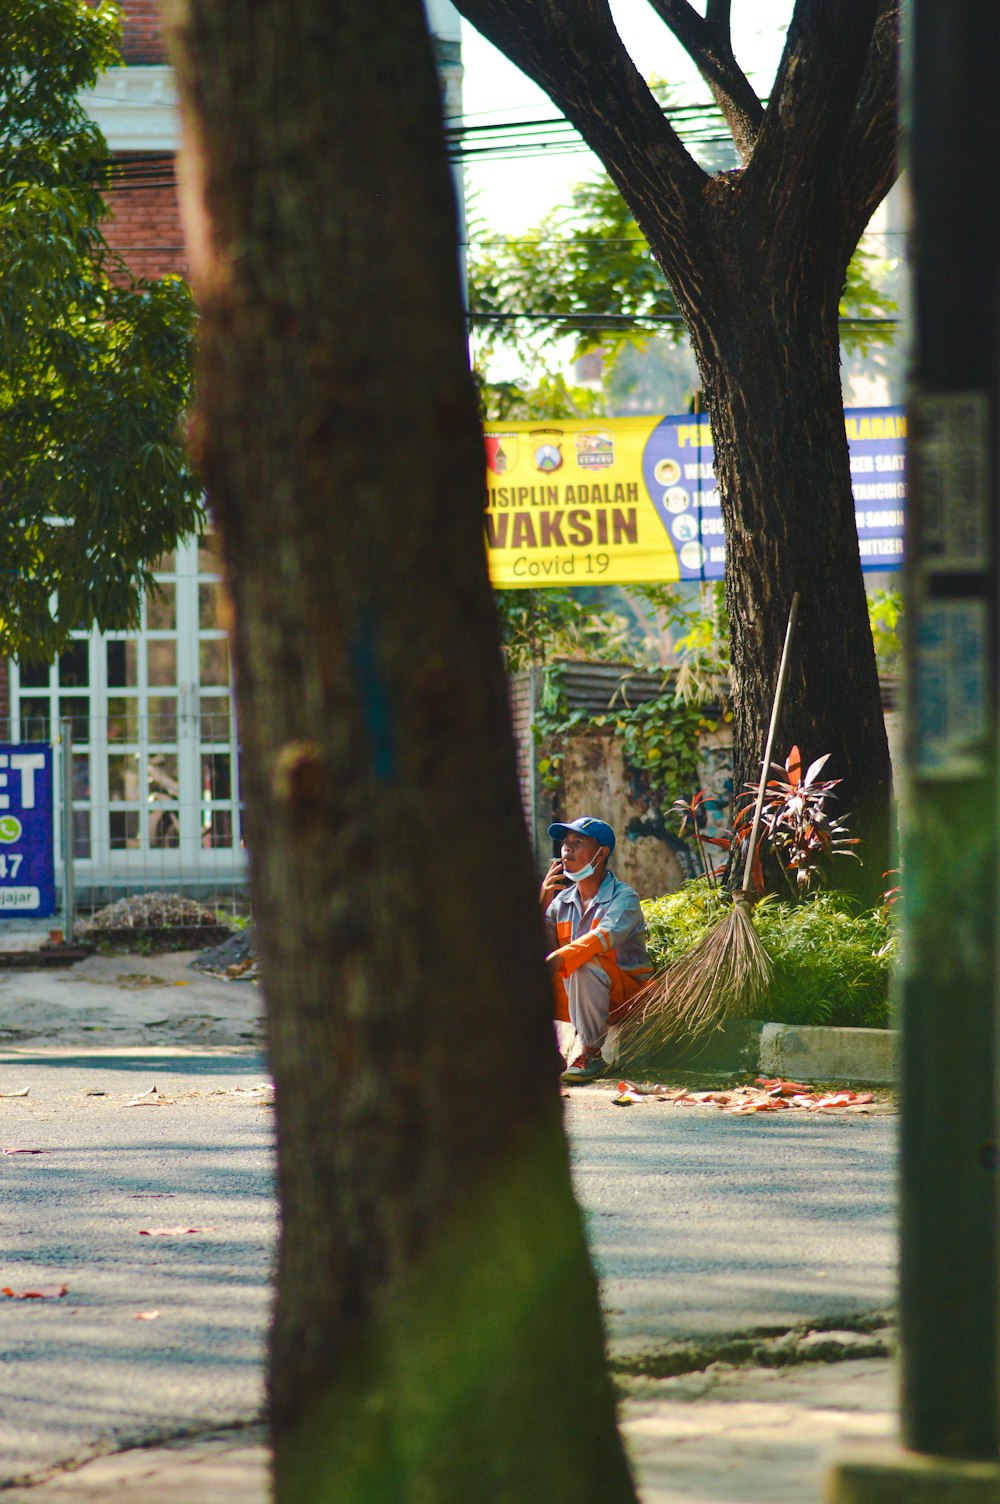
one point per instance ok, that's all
(588, 990)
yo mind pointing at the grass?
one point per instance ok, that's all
(832, 960)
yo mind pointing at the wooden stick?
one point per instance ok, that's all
(779, 690)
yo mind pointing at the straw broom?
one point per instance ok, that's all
(727, 973)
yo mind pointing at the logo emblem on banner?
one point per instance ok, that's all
(548, 453)
(595, 450)
(501, 452)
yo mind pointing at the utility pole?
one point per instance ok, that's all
(950, 1415)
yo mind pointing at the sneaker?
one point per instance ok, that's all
(586, 1067)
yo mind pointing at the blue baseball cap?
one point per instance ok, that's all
(598, 830)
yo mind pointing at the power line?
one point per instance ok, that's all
(629, 320)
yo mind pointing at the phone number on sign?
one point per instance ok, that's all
(566, 566)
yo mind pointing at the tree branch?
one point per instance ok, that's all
(811, 114)
(707, 41)
(570, 48)
(717, 15)
(871, 153)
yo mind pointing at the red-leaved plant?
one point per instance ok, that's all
(796, 826)
(691, 814)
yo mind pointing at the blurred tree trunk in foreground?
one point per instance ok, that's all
(437, 1334)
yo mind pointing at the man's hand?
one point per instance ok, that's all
(552, 883)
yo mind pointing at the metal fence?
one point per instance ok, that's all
(148, 803)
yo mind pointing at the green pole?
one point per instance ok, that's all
(948, 1192)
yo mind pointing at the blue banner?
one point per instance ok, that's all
(27, 860)
(678, 466)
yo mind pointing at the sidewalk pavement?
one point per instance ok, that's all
(722, 1436)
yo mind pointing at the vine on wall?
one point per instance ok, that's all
(660, 738)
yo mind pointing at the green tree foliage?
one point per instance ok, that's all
(586, 272)
(95, 365)
(832, 959)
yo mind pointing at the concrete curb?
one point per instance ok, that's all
(864, 1057)
(869, 1057)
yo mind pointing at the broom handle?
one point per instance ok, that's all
(779, 690)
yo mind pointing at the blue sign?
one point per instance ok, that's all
(27, 860)
(678, 467)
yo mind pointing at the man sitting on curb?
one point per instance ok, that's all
(597, 939)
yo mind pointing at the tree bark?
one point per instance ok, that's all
(756, 260)
(782, 464)
(436, 1334)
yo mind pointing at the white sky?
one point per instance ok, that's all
(513, 195)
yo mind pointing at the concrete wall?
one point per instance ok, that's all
(596, 782)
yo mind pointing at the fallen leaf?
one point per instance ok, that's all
(146, 1315)
(22, 1093)
(43, 1292)
(170, 1232)
(150, 1098)
(27, 1151)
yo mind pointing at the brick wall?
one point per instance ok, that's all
(142, 40)
(142, 32)
(146, 228)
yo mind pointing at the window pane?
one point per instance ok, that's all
(217, 828)
(74, 666)
(81, 833)
(123, 776)
(76, 710)
(161, 608)
(123, 664)
(213, 660)
(162, 720)
(81, 776)
(161, 662)
(34, 675)
(123, 828)
(161, 775)
(216, 782)
(123, 719)
(164, 829)
(35, 720)
(215, 718)
(166, 563)
(210, 606)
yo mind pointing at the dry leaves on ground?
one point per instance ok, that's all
(40, 1292)
(171, 1232)
(768, 1094)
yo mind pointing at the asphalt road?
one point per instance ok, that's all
(700, 1222)
(85, 1369)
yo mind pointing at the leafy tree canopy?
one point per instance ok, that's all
(95, 365)
(586, 272)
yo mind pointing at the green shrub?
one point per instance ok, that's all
(832, 961)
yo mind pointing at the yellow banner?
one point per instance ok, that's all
(568, 503)
(618, 501)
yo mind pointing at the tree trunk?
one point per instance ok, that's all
(436, 1333)
(764, 332)
(756, 259)
(774, 400)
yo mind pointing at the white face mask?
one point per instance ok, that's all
(578, 877)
